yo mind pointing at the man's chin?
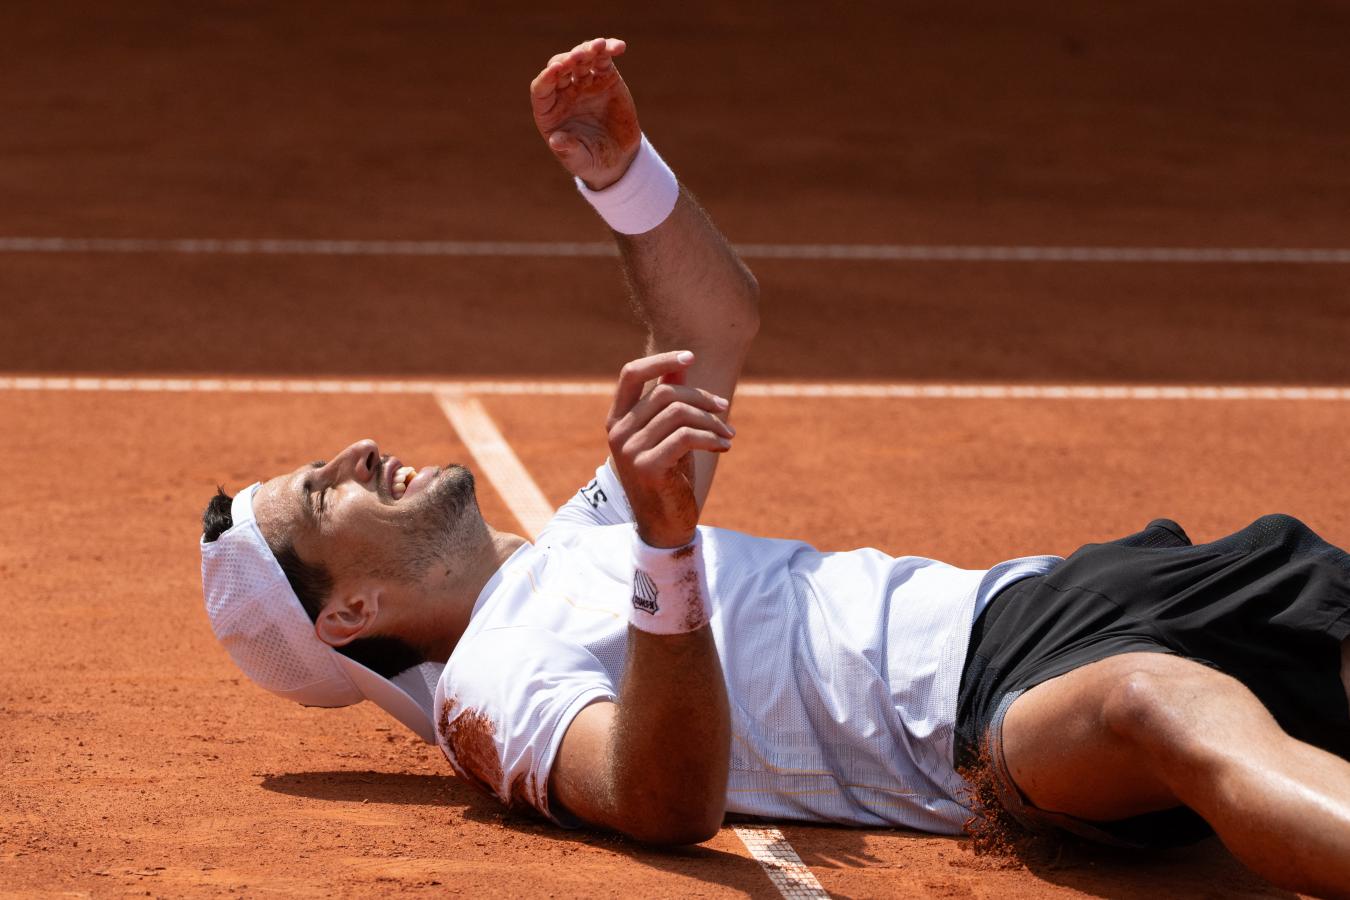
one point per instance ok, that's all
(452, 490)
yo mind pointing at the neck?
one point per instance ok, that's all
(460, 587)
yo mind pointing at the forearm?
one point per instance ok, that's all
(692, 292)
(670, 739)
(687, 285)
(654, 764)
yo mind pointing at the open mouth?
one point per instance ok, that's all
(402, 476)
(403, 481)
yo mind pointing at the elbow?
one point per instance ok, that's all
(686, 818)
(705, 830)
(750, 328)
(742, 325)
(678, 830)
(700, 828)
(687, 836)
(750, 284)
(751, 292)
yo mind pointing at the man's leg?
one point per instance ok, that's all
(1147, 731)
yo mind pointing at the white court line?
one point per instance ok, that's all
(785, 389)
(498, 461)
(527, 503)
(521, 249)
(780, 862)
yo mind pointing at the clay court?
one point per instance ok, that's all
(1031, 276)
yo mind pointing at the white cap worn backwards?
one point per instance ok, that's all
(259, 620)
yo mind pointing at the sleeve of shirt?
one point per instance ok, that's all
(503, 705)
(602, 502)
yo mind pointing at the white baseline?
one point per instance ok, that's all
(834, 390)
(546, 249)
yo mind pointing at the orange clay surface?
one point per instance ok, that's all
(134, 759)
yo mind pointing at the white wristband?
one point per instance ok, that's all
(641, 199)
(670, 588)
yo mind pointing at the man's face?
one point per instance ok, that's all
(360, 514)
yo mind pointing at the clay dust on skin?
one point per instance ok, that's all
(996, 838)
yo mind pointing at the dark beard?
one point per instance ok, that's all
(450, 496)
(446, 521)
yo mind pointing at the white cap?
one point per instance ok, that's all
(259, 620)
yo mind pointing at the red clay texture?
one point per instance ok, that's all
(135, 759)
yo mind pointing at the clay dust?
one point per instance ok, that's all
(996, 838)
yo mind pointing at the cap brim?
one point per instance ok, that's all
(408, 697)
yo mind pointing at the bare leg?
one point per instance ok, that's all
(1148, 731)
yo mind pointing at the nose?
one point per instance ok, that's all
(359, 462)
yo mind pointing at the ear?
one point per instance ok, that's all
(347, 617)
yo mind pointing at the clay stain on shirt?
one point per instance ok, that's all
(470, 738)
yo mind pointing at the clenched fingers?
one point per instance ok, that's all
(630, 442)
(662, 396)
(662, 458)
(635, 375)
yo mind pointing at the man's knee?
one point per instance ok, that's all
(1186, 719)
(1160, 708)
(1137, 707)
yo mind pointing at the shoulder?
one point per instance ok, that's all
(601, 501)
(499, 659)
(503, 703)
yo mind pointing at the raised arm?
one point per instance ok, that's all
(654, 765)
(687, 284)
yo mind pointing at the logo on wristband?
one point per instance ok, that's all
(644, 593)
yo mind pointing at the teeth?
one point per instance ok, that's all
(401, 478)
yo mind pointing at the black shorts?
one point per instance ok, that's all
(1268, 605)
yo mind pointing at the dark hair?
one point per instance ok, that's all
(388, 656)
(216, 518)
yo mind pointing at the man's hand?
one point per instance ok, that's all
(651, 439)
(585, 113)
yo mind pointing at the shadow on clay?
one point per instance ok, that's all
(1203, 869)
(402, 788)
(1096, 871)
(375, 787)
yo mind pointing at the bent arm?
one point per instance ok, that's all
(687, 284)
(653, 766)
(692, 292)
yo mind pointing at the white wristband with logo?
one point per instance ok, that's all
(670, 588)
(642, 199)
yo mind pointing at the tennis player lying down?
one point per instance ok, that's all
(633, 670)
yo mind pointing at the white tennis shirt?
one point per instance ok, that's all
(841, 668)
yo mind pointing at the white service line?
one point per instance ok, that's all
(786, 389)
(780, 862)
(499, 463)
(525, 249)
